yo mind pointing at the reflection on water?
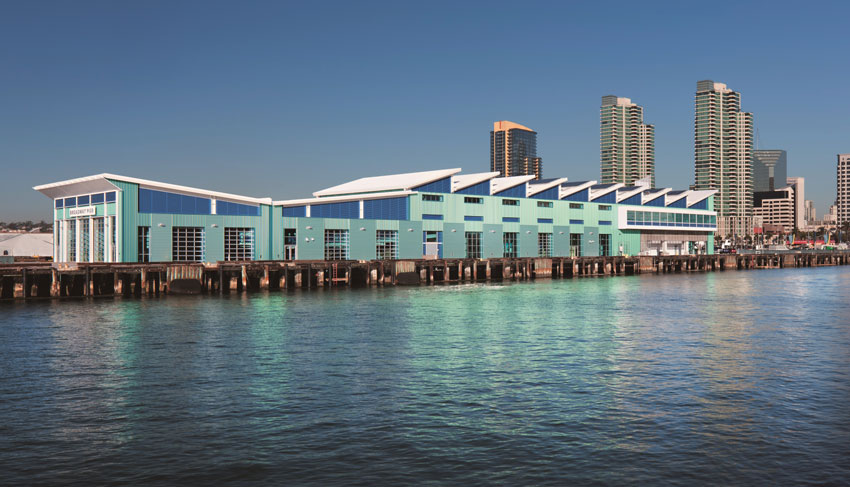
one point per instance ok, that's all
(723, 377)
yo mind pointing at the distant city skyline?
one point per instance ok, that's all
(319, 95)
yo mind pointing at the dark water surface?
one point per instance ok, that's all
(733, 377)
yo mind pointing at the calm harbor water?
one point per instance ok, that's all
(732, 377)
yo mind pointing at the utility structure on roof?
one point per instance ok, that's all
(627, 144)
(723, 155)
(430, 214)
(513, 150)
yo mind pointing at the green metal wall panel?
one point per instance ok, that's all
(311, 238)
(493, 245)
(410, 240)
(160, 244)
(630, 241)
(362, 240)
(560, 241)
(454, 241)
(528, 241)
(127, 207)
(590, 242)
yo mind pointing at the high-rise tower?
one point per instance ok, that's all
(723, 155)
(627, 144)
(770, 169)
(513, 150)
(842, 190)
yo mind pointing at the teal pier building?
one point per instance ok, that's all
(442, 214)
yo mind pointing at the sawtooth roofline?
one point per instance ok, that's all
(376, 187)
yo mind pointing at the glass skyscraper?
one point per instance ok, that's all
(513, 150)
(770, 169)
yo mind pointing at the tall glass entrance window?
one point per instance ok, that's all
(575, 245)
(290, 242)
(144, 244)
(336, 244)
(113, 237)
(99, 244)
(72, 241)
(432, 244)
(473, 245)
(238, 244)
(604, 244)
(85, 235)
(511, 244)
(187, 244)
(544, 244)
(386, 245)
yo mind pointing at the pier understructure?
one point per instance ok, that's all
(35, 280)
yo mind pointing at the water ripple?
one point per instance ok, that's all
(733, 377)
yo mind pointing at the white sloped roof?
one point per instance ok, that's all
(391, 182)
(655, 194)
(534, 187)
(624, 195)
(695, 196)
(573, 188)
(596, 193)
(342, 198)
(99, 183)
(668, 198)
(461, 181)
(501, 184)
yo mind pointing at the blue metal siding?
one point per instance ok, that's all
(385, 209)
(700, 205)
(607, 198)
(582, 195)
(236, 209)
(656, 202)
(295, 211)
(517, 191)
(348, 209)
(152, 201)
(442, 186)
(632, 200)
(549, 194)
(480, 189)
(681, 203)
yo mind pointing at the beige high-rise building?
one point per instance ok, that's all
(723, 155)
(811, 213)
(799, 185)
(627, 143)
(513, 150)
(776, 208)
(842, 190)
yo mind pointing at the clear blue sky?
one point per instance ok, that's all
(275, 99)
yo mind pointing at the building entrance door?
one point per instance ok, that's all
(432, 244)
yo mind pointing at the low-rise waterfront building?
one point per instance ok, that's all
(775, 208)
(431, 214)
